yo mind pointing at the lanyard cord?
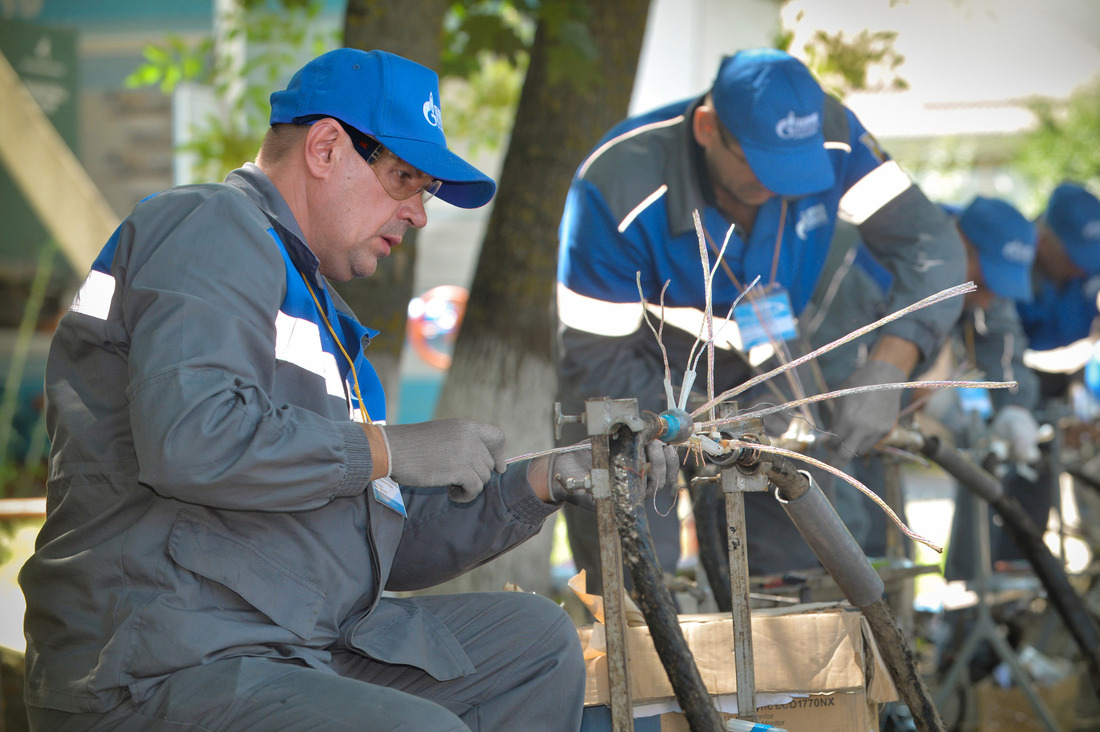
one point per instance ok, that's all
(775, 255)
(778, 240)
(340, 345)
(792, 377)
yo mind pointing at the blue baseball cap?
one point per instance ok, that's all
(392, 99)
(775, 108)
(1073, 214)
(1005, 241)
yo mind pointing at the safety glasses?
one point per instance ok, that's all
(401, 180)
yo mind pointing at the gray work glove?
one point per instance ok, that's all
(861, 420)
(664, 468)
(457, 453)
(1018, 428)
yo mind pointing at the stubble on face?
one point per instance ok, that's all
(731, 173)
(359, 224)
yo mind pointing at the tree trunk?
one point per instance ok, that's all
(502, 371)
(382, 301)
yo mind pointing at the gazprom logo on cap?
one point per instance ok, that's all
(433, 113)
(793, 127)
(1018, 251)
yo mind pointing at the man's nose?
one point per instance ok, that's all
(413, 212)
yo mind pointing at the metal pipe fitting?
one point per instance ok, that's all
(834, 545)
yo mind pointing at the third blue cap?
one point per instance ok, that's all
(1005, 241)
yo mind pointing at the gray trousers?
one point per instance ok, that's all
(530, 675)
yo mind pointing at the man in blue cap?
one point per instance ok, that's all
(990, 340)
(987, 339)
(769, 163)
(226, 502)
(1067, 270)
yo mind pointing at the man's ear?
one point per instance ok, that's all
(320, 147)
(704, 124)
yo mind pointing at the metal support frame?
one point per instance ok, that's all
(985, 629)
(602, 417)
(735, 484)
(618, 433)
(901, 591)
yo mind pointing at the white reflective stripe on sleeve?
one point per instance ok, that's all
(760, 354)
(872, 192)
(95, 295)
(626, 136)
(838, 146)
(597, 316)
(727, 336)
(623, 318)
(655, 196)
(298, 341)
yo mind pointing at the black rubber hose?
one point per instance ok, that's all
(654, 598)
(708, 505)
(838, 552)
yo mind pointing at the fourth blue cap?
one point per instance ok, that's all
(1005, 241)
(1073, 214)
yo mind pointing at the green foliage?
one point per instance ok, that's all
(473, 28)
(481, 107)
(1063, 145)
(486, 54)
(484, 61)
(277, 33)
(171, 63)
(842, 65)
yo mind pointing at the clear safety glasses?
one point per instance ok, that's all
(401, 180)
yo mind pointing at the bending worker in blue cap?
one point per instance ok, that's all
(769, 158)
(1067, 270)
(987, 341)
(226, 504)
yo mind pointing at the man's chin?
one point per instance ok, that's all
(362, 270)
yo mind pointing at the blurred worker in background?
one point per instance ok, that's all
(1066, 277)
(770, 162)
(987, 343)
(990, 341)
(226, 503)
(1061, 324)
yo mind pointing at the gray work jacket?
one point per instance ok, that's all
(207, 496)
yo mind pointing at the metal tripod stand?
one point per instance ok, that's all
(985, 628)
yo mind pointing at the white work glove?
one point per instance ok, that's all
(1016, 426)
(663, 469)
(457, 453)
(861, 420)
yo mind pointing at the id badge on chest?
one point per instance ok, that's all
(770, 314)
(387, 492)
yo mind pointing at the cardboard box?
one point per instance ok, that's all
(840, 711)
(804, 649)
(1010, 710)
(816, 668)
